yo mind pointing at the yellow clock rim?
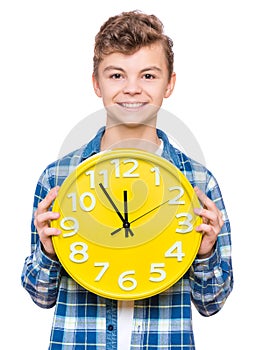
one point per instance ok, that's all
(90, 162)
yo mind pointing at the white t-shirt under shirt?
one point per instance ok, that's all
(126, 308)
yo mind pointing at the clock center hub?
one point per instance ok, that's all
(126, 224)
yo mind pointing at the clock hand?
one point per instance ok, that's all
(139, 217)
(111, 202)
(126, 224)
(158, 206)
(116, 231)
(125, 198)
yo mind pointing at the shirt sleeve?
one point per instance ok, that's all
(211, 279)
(41, 275)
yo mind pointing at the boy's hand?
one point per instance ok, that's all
(43, 216)
(211, 226)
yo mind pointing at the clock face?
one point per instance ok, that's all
(127, 224)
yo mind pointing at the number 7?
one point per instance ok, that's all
(105, 266)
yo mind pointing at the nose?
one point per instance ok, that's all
(132, 87)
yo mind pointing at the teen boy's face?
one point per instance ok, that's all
(134, 85)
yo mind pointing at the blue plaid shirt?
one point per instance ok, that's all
(83, 320)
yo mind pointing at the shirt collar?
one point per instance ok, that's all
(169, 152)
(93, 146)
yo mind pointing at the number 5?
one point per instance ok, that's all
(156, 268)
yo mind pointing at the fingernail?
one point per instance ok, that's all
(197, 211)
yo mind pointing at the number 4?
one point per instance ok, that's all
(175, 251)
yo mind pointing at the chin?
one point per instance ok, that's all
(132, 118)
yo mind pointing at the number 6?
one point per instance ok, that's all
(123, 278)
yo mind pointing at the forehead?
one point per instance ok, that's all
(148, 56)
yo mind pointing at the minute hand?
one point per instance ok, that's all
(126, 224)
(111, 202)
(141, 216)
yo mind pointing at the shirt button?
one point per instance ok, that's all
(110, 327)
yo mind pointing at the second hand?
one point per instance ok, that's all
(141, 216)
(148, 212)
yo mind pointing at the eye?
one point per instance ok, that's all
(148, 76)
(116, 76)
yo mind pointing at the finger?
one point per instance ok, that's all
(205, 229)
(44, 218)
(44, 205)
(209, 208)
(205, 201)
(48, 232)
(211, 222)
(209, 215)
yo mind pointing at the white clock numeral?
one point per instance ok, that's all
(73, 227)
(156, 171)
(116, 162)
(187, 223)
(105, 266)
(128, 173)
(82, 200)
(176, 200)
(91, 174)
(74, 200)
(175, 251)
(82, 251)
(104, 173)
(157, 268)
(126, 282)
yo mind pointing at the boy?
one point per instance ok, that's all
(133, 73)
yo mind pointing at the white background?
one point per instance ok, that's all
(45, 90)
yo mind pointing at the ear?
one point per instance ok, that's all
(170, 86)
(96, 86)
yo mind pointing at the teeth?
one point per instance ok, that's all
(132, 105)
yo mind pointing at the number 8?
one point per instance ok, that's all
(82, 251)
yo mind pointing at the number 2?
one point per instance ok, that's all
(129, 172)
(175, 200)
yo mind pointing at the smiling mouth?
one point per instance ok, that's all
(132, 105)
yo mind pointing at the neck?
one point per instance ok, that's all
(143, 137)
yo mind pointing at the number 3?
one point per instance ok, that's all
(186, 222)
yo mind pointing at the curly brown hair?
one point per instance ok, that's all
(126, 33)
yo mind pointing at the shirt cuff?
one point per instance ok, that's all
(44, 261)
(208, 264)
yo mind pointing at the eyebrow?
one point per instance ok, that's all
(155, 68)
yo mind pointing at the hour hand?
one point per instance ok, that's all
(126, 224)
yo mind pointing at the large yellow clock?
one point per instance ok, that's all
(127, 224)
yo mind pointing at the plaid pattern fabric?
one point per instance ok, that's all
(83, 320)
